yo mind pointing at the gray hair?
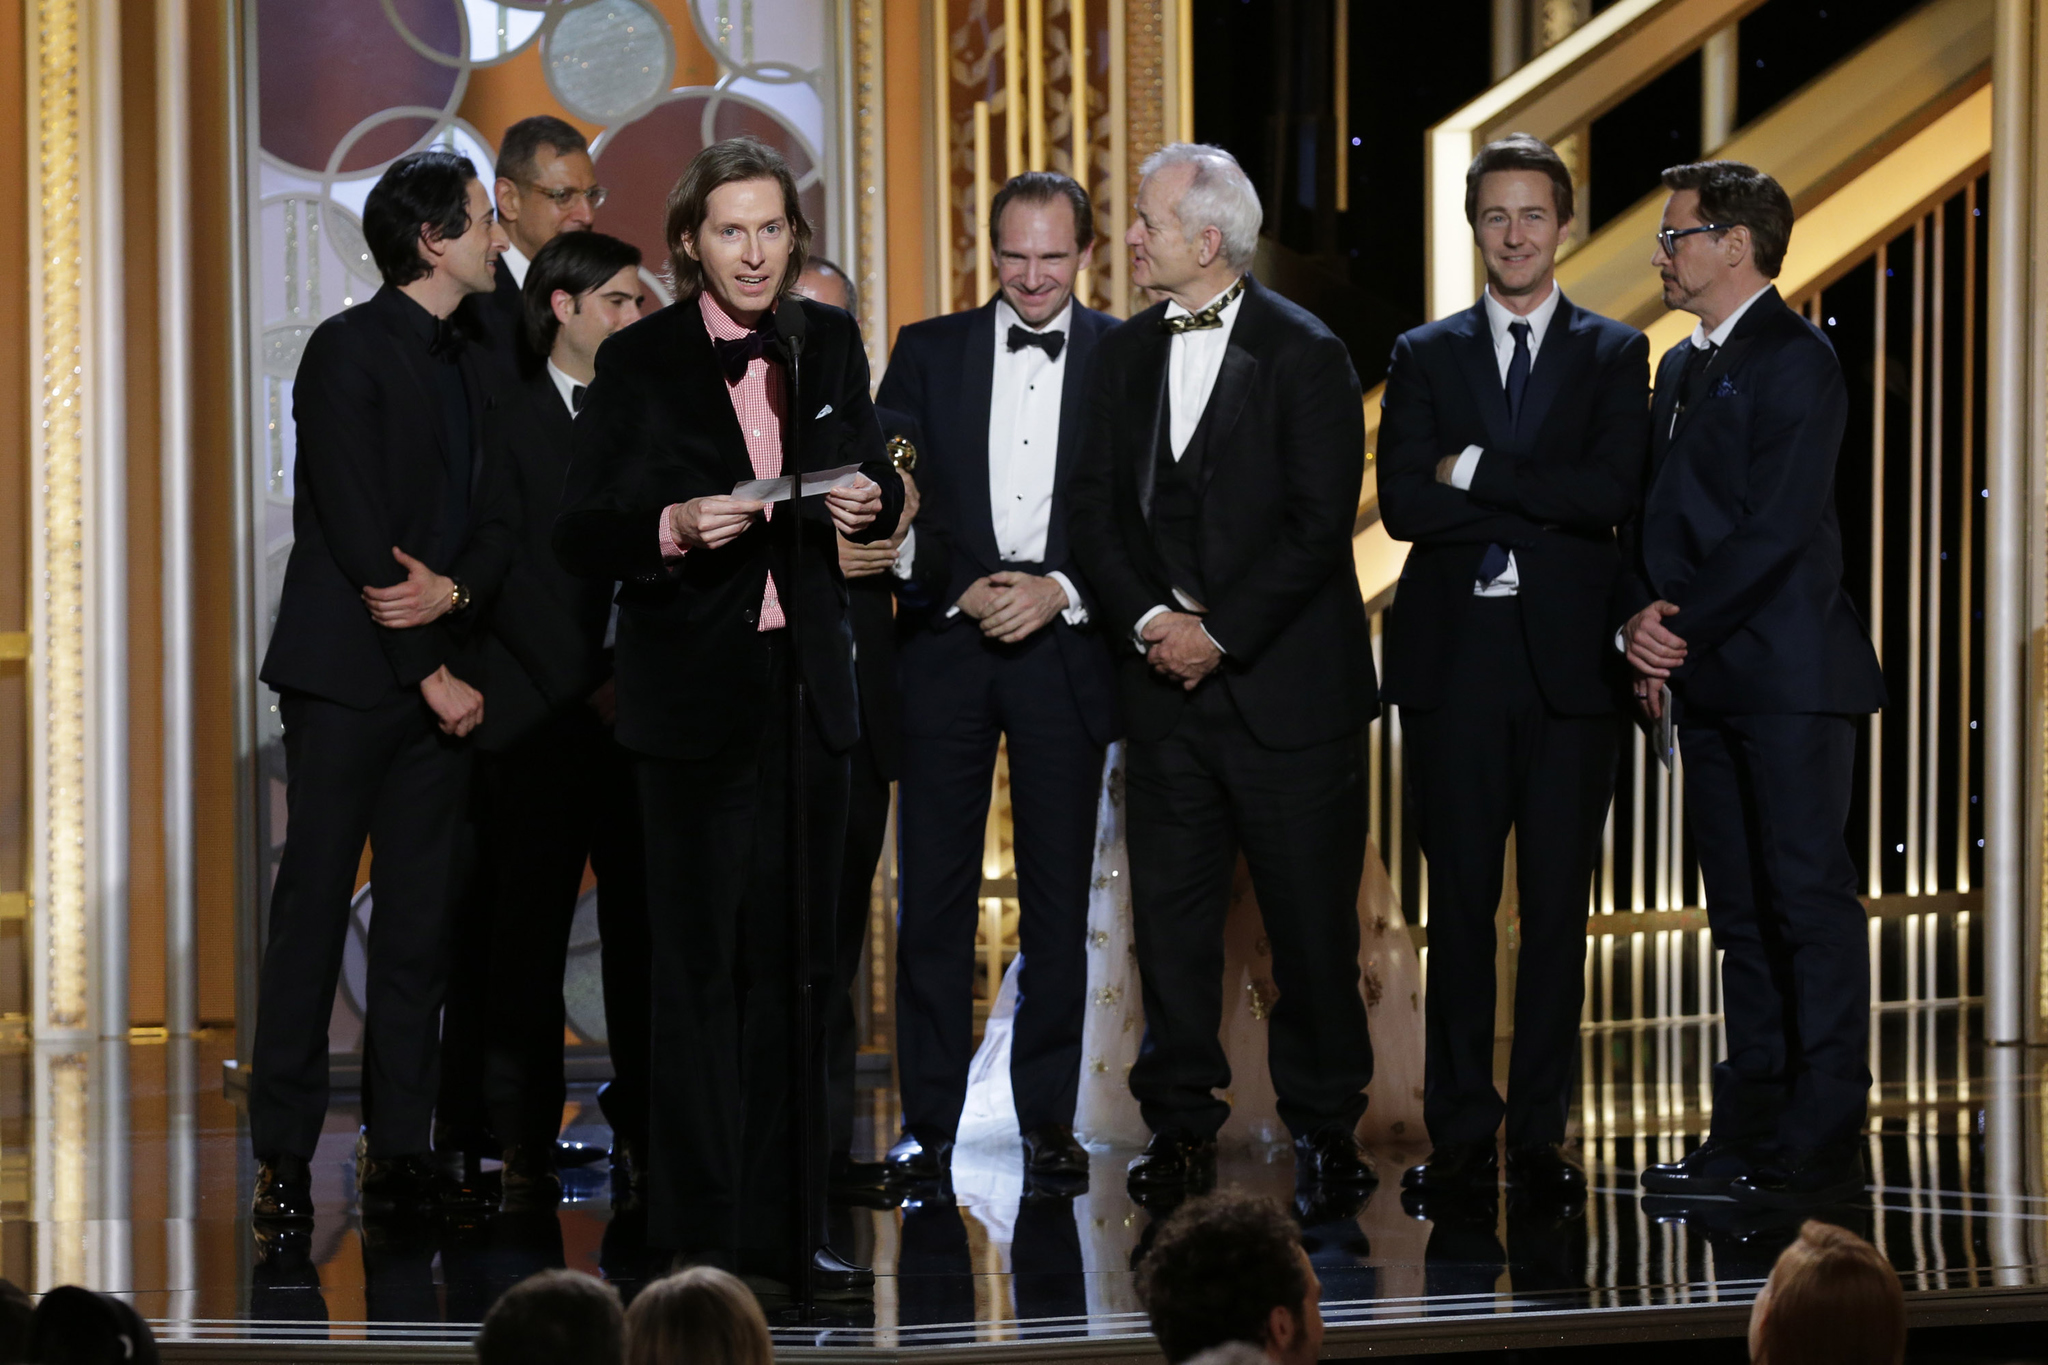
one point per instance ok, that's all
(1220, 196)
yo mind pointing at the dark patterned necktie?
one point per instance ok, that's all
(1208, 319)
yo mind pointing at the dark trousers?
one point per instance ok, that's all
(563, 794)
(722, 1119)
(1493, 756)
(1055, 774)
(388, 775)
(867, 824)
(1766, 798)
(461, 1115)
(1195, 798)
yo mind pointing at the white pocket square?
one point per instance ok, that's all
(825, 411)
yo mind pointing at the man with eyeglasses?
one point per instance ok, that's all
(1733, 614)
(546, 186)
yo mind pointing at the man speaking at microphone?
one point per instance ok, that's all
(687, 405)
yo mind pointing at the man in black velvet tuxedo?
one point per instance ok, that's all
(689, 404)
(554, 787)
(1212, 514)
(376, 682)
(1008, 645)
(1511, 448)
(546, 186)
(1731, 596)
(871, 592)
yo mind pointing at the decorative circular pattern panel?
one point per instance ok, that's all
(609, 60)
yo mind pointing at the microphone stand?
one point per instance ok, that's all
(808, 1192)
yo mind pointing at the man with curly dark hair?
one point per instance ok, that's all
(1230, 1268)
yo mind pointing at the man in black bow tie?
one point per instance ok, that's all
(1511, 448)
(372, 658)
(1006, 646)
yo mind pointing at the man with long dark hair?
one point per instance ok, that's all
(375, 685)
(686, 406)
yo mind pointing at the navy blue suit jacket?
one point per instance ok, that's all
(1738, 527)
(1551, 488)
(942, 373)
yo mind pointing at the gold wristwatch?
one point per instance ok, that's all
(458, 599)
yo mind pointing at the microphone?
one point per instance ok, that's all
(790, 324)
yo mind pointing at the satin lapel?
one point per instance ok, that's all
(1482, 376)
(1557, 357)
(1148, 378)
(701, 393)
(1073, 414)
(1226, 401)
(977, 388)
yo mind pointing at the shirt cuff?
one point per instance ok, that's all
(1620, 645)
(1075, 613)
(906, 556)
(1138, 631)
(669, 548)
(1466, 467)
(1216, 642)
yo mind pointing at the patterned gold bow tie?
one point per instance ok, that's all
(1206, 320)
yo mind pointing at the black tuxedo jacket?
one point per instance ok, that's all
(658, 428)
(1551, 488)
(544, 647)
(877, 626)
(371, 473)
(942, 372)
(1284, 458)
(1738, 527)
(501, 316)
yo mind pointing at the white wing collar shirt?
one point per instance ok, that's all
(1023, 448)
(1498, 320)
(1193, 360)
(516, 261)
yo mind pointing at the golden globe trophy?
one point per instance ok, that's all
(902, 454)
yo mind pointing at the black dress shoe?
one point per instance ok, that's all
(1455, 1167)
(408, 1184)
(1706, 1172)
(847, 1176)
(529, 1183)
(1331, 1157)
(1543, 1168)
(835, 1277)
(911, 1160)
(1798, 1180)
(1052, 1153)
(1175, 1161)
(284, 1191)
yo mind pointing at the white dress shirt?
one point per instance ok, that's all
(565, 386)
(1193, 360)
(1023, 450)
(516, 261)
(1498, 320)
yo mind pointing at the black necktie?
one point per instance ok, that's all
(1049, 342)
(735, 355)
(1518, 371)
(576, 397)
(1691, 377)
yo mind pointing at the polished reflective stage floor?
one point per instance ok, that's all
(126, 1168)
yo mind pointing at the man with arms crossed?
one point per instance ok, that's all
(368, 659)
(1511, 448)
(1731, 596)
(1007, 646)
(1212, 514)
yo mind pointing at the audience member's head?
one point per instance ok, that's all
(1230, 1268)
(558, 1317)
(74, 1326)
(1831, 1300)
(17, 1311)
(701, 1316)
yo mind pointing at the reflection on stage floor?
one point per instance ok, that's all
(126, 1168)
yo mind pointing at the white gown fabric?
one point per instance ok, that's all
(986, 1161)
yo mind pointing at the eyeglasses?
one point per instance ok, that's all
(1667, 238)
(566, 199)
